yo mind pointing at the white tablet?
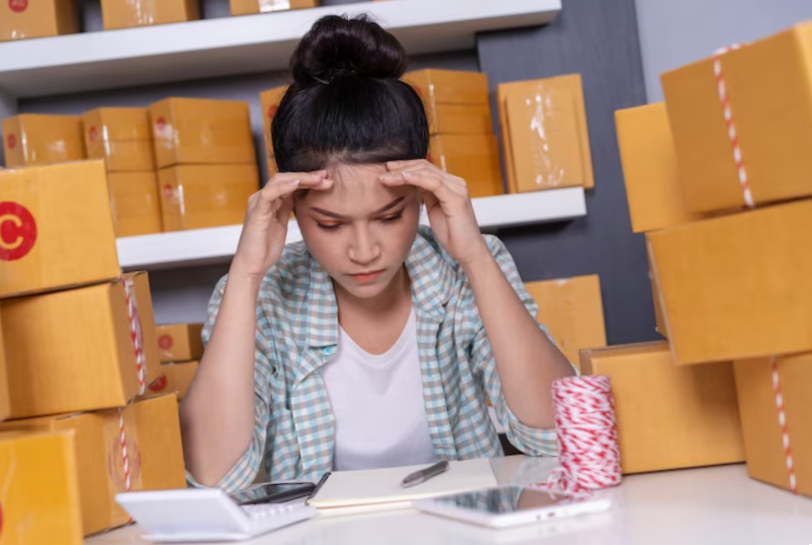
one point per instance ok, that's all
(507, 506)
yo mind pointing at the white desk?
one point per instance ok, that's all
(713, 506)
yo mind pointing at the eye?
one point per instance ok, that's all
(328, 226)
(392, 218)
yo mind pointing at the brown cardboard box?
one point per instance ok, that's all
(669, 417)
(572, 310)
(197, 196)
(134, 13)
(460, 119)
(154, 458)
(22, 19)
(738, 286)
(201, 131)
(177, 377)
(768, 89)
(650, 168)
(472, 157)
(248, 7)
(57, 229)
(269, 103)
(544, 134)
(449, 86)
(135, 203)
(180, 342)
(120, 136)
(763, 437)
(659, 319)
(40, 493)
(73, 351)
(35, 139)
(5, 405)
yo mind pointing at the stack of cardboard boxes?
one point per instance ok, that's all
(37, 139)
(250, 7)
(720, 179)
(134, 13)
(122, 137)
(79, 349)
(459, 113)
(24, 19)
(205, 154)
(180, 347)
(544, 134)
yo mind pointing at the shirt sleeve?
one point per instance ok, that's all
(532, 441)
(245, 470)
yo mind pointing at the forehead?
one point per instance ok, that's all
(357, 191)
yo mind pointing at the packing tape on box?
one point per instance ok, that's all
(782, 420)
(586, 428)
(135, 332)
(267, 6)
(731, 124)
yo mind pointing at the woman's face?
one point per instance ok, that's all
(359, 230)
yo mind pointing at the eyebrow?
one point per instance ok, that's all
(379, 211)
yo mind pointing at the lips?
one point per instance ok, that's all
(367, 276)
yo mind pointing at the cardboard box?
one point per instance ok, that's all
(135, 203)
(73, 351)
(449, 86)
(57, 228)
(544, 134)
(460, 119)
(669, 417)
(5, 404)
(761, 425)
(738, 286)
(659, 318)
(120, 136)
(572, 311)
(40, 492)
(177, 377)
(472, 157)
(197, 196)
(180, 342)
(768, 89)
(36, 139)
(650, 169)
(154, 456)
(22, 19)
(202, 131)
(269, 103)
(135, 13)
(248, 7)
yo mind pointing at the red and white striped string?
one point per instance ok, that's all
(731, 124)
(135, 333)
(587, 436)
(125, 457)
(782, 420)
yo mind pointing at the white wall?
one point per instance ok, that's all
(677, 32)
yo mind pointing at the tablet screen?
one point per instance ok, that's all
(509, 499)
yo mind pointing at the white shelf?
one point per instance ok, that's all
(217, 245)
(240, 45)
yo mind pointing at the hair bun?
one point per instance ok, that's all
(338, 46)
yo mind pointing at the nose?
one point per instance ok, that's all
(363, 249)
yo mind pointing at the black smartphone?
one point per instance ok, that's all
(273, 493)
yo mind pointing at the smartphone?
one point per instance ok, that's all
(508, 506)
(273, 493)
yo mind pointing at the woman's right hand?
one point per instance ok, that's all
(266, 222)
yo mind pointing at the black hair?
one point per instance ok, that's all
(347, 104)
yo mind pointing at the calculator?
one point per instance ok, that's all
(206, 515)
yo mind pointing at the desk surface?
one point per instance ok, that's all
(713, 506)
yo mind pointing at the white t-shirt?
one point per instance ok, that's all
(378, 404)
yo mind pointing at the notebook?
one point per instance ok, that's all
(378, 489)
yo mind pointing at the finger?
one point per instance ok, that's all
(286, 186)
(398, 165)
(285, 208)
(425, 181)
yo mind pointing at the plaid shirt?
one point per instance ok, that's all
(297, 331)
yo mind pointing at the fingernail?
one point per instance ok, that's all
(294, 182)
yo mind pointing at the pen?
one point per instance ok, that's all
(424, 475)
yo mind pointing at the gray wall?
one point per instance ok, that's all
(597, 39)
(676, 32)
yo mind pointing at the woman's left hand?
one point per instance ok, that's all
(448, 204)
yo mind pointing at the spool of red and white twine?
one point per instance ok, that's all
(738, 157)
(587, 436)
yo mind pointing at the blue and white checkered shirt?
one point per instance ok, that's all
(297, 331)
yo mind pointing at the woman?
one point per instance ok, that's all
(375, 342)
